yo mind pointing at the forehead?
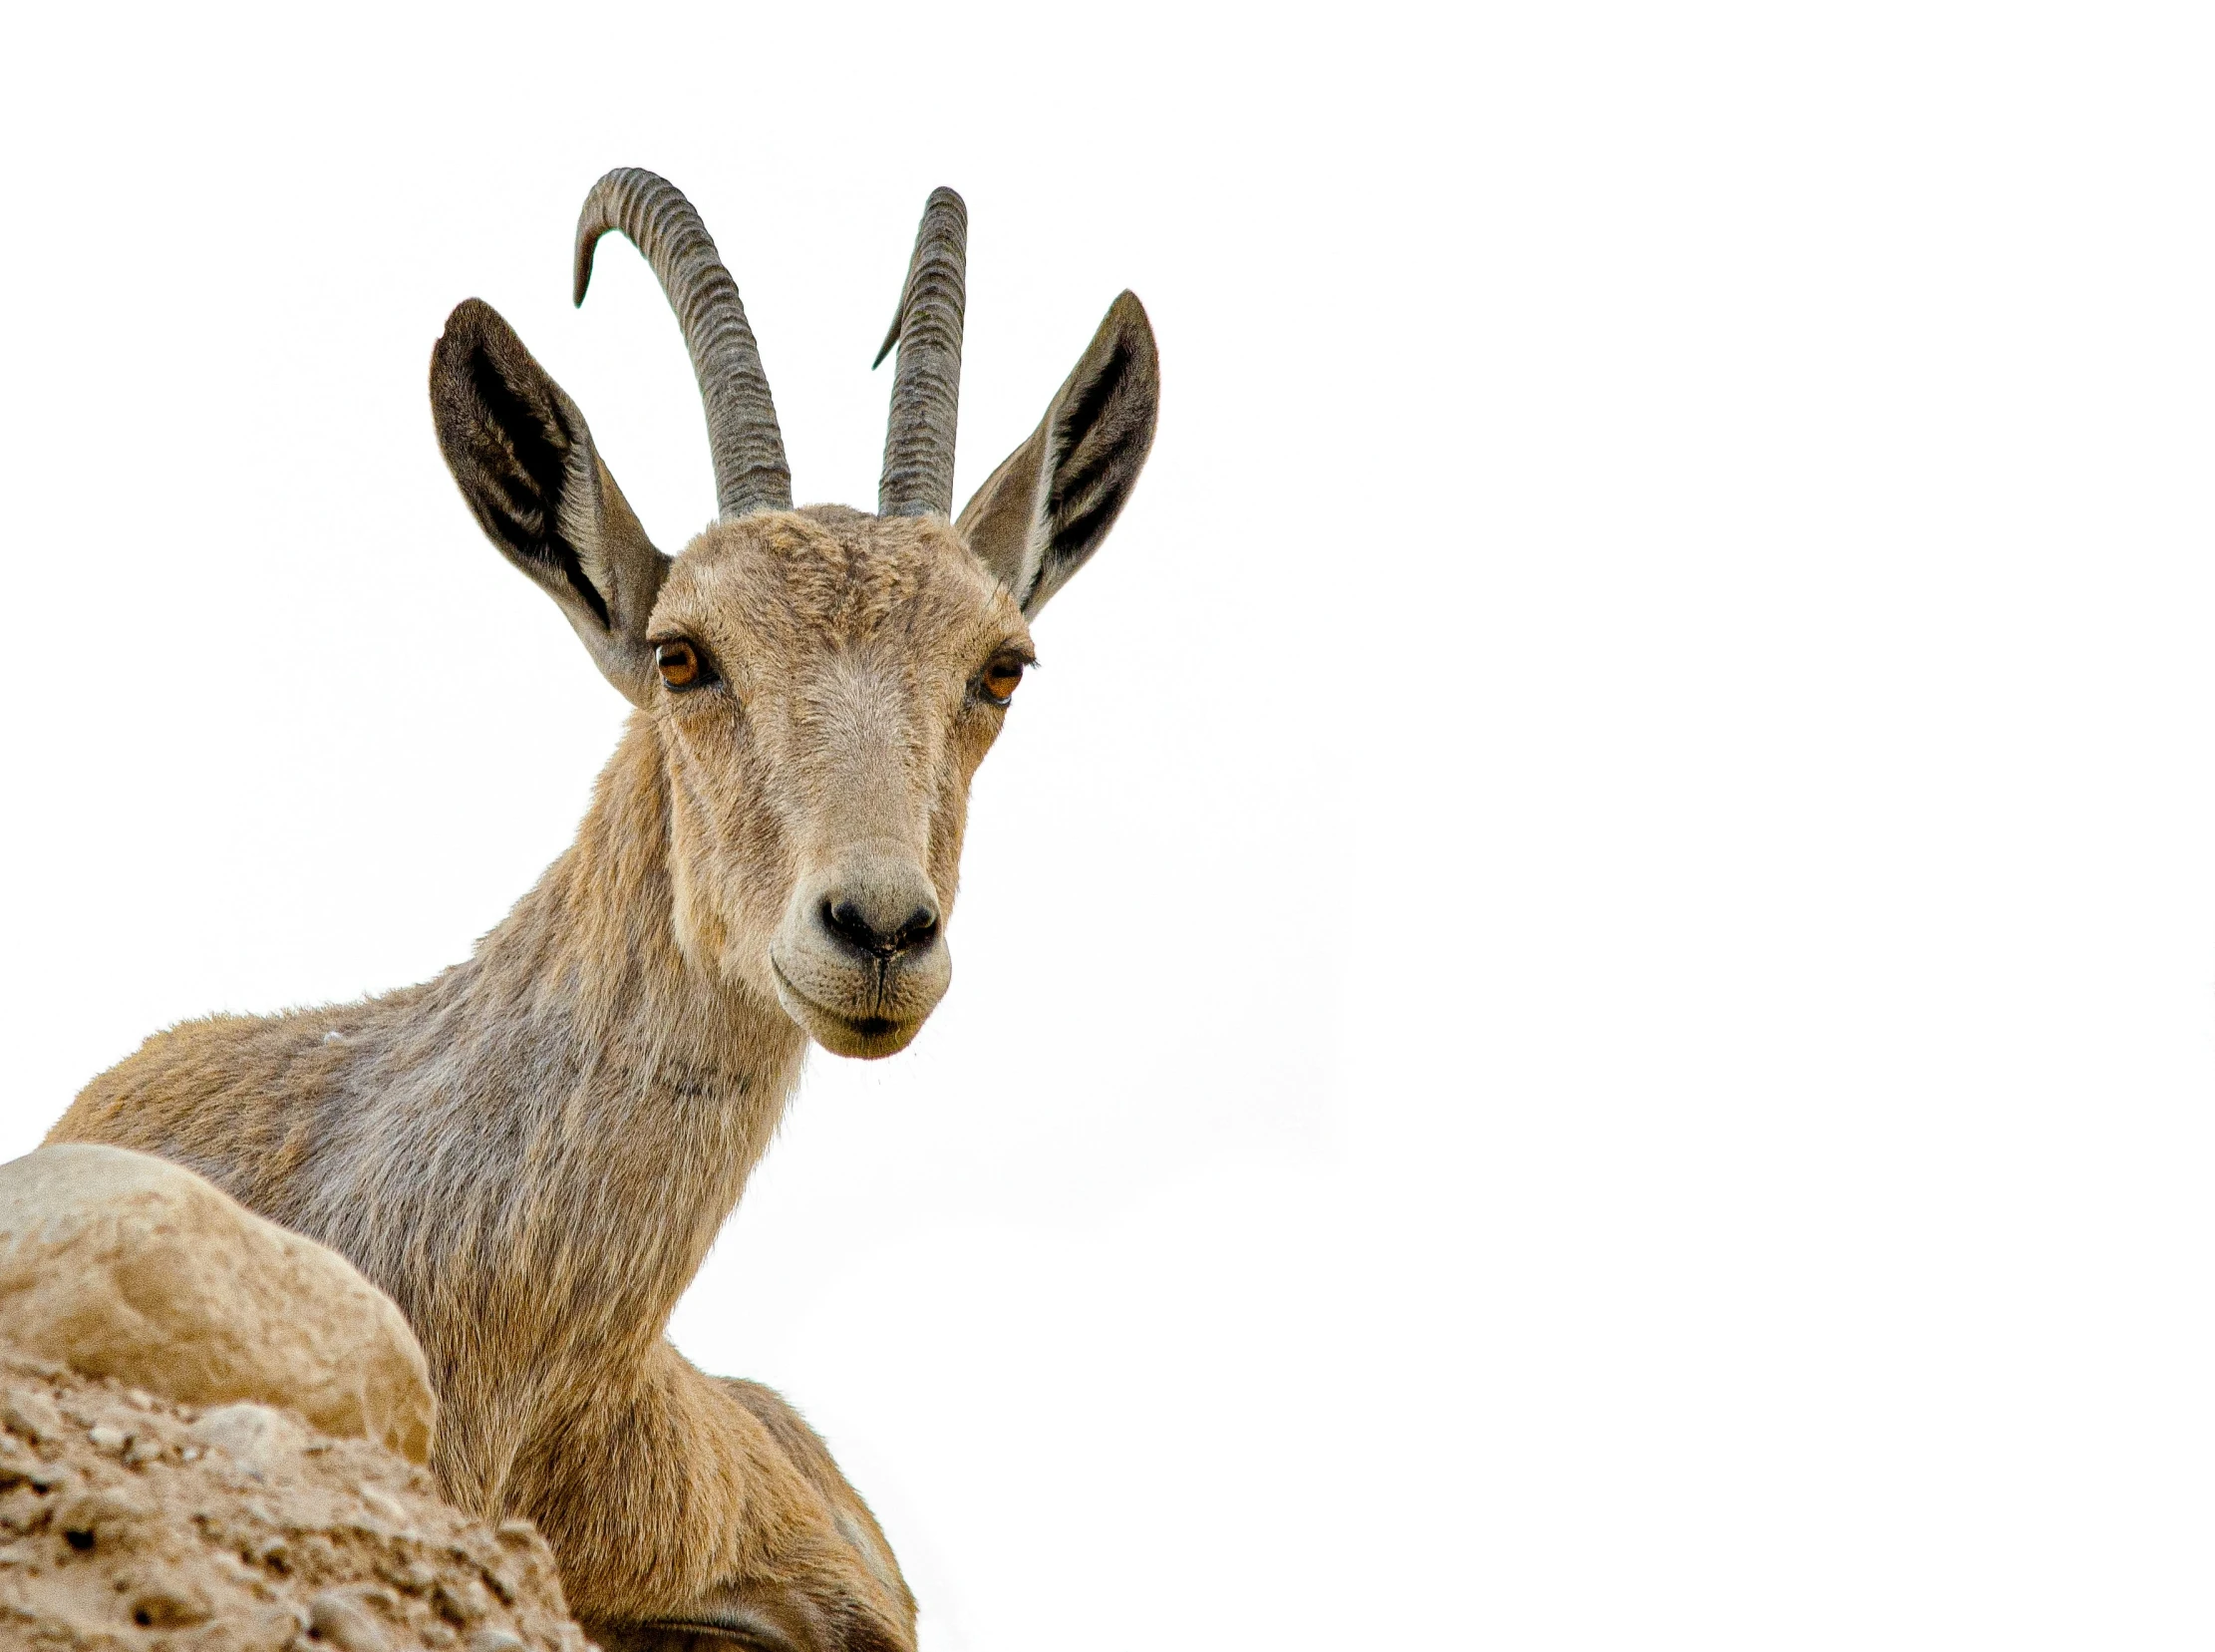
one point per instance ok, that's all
(827, 573)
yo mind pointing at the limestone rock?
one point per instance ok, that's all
(232, 1529)
(125, 1265)
(255, 1437)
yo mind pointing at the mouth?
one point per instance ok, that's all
(866, 1036)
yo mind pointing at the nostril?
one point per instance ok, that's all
(843, 919)
(851, 922)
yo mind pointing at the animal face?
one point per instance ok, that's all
(829, 682)
(822, 682)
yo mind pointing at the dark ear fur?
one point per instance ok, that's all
(1051, 502)
(524, 458)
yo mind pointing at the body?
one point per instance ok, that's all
(532, 1153)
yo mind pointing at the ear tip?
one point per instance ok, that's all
(472, 320)
(479, 347)
(1127, 317)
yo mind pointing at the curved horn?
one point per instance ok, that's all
(918, 475)
(750, 472)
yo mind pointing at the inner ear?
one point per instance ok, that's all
(528, 453)
(1100, 437)
(1049, 505)
(525, 462)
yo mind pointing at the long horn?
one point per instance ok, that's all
(918, 477)
(750, 472)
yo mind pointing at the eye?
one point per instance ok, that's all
(1002, 678)
(681, 665)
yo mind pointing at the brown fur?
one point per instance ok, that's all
(533, 1151)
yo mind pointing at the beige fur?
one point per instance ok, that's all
(533, 1151)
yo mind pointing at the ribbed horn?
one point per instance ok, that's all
(750, 472)
(918, 477)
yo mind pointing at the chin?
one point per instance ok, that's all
(864, 1038)
(869, 1040)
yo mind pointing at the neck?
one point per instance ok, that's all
(549, 1135)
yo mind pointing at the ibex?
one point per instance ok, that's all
(533, 1151)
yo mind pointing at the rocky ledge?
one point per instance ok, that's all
(213, 1435)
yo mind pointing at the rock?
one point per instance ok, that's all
(169, 1599)
(255, 1437)
(346, 1624)
(384, 1506)
(123, 1265)
(94, 1514)
(32, 1415)
(462, 1601)
(191, 1554)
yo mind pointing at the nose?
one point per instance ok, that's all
(881, 917)
(861, 956)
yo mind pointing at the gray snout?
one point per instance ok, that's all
(862, 959)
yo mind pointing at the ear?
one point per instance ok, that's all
(1051, 502)
(524, 460)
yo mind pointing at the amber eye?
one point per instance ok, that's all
(680, 664)
(1001, 679)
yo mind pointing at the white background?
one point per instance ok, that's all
(1585, 996)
